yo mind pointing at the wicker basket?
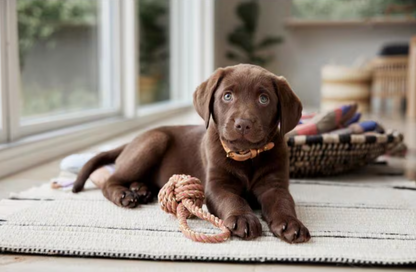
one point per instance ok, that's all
(331, 154)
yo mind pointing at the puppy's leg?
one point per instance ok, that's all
(278, 209)
(226, 202)
(127, 187)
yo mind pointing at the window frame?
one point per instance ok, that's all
(191, 62)
(19, 127)
(3, 77)
(192, 55)
(34, 143)
(11, 78)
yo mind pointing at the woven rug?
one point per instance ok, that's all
(355, 220)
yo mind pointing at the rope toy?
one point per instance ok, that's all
(183, 197)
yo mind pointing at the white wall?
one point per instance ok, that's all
(306, 50)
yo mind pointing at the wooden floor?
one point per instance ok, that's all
(42, 173)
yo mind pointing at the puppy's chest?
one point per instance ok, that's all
(246, 172)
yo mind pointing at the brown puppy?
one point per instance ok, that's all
(246, 103)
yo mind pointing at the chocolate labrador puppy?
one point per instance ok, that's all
(240, 155)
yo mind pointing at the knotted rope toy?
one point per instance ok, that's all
(183, 197)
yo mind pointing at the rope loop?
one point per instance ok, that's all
(183, 197)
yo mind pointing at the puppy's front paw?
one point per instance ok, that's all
(246, 226)
(290, 230)
(128, 199)
(121, 196)
(143, 193)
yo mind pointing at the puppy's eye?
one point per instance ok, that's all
(228, 97)
(263, 99)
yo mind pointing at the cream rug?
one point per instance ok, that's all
(355, 220)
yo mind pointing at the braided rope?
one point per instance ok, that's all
(183, 197)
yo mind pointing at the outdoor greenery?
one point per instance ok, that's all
(153, 34)
(154, 47)
(38, 20)
(41, 102)
(347, 9)
(42, 25)
(247, 47)
(39, 23)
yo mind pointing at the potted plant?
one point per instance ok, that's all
(244, 39)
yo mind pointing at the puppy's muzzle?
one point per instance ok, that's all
(243, 126)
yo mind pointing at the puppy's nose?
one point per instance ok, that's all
(243, 125)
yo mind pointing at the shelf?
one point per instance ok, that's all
(292, 22)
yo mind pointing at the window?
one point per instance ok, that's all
(153, 79)
(65, 59)
(73, 72)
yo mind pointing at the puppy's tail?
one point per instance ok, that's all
(94, 163)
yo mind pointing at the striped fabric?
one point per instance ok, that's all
(328, 121)
(390, 137)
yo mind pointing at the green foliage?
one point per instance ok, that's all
(38, 20)
(243, 38)
(153, 34)
(38, 101)
(345, 9)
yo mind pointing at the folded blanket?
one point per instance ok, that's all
(360, 128)
(73, 164)
(329, 121)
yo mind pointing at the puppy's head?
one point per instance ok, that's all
(247, 103)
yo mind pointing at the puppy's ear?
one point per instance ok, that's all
(203, 96)
(289, 108)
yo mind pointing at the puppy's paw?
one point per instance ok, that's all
(144, 195)
(127, 199)
(121, 196)
(290, 230)
(247, 226)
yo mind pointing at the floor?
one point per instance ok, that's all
(42, 173)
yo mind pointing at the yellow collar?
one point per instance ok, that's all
(247, 154)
